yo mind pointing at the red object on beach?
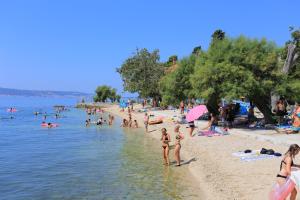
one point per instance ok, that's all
(196, 112)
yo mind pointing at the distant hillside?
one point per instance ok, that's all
(17, 92)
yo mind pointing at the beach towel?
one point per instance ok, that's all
(208, 133)
(288, 127)
(253, 156)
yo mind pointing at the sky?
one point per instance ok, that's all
(73, 45)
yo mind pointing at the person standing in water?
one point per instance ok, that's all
(135, 124)
(177, 144)
(146, 121)
(165, 138)
(286, 167)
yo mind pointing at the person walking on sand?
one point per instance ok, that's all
(285, 167)
(146, 121)
(192, 128)
(179, 137)
(165, 138)
(181, 107)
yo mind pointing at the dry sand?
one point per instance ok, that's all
(221, 175)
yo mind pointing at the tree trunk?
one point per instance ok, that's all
(290, 58)
(212, 104)
(263, 104)
(288, 64)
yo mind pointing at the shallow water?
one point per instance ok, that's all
(75, 162)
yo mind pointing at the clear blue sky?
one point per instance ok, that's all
(77, 45)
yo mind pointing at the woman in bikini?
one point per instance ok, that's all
(177, 144)
(286, 167)
(165, 138)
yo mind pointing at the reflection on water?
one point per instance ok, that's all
(75, 162)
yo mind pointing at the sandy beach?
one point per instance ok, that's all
(220, 174)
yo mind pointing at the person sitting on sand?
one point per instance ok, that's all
(177, 144)
(165, 138)
(295, 121)
(212, 123)
(146, 121)
(285, 167)
(280, 111)
(251, 116)
(135, 124)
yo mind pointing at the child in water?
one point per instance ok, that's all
(135, 124)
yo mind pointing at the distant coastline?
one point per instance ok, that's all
(41, 93)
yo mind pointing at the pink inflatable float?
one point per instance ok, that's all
(281, 192)
(11, 110)
(49, 125)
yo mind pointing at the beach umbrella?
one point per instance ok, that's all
(196, 112)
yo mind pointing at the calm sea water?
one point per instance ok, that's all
(75, 162)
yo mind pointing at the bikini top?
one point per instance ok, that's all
(292, 164)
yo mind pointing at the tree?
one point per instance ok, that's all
(142, 72)
(238, 67)
(290, 87)
(197, 50)
(176, 86)
(105, 92)
(218, 35)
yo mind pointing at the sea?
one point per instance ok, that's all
(73, 161)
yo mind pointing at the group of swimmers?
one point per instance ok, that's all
(101, 121)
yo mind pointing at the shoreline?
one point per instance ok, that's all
(219, 174)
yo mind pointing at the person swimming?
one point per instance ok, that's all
(50, 125)
(165, 138)
(100, 121)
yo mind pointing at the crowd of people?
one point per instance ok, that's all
(99, 119)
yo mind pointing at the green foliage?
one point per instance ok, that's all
(197, 50)
(142, 72)
(218, 35)
(176, 86)
(290, 86)
(105, 92)
(237, 67)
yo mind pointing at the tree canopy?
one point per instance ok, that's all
(176, 86)
(105, 92)
(229, 68)
(141, 73)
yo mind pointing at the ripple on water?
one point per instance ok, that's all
(75, 162)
